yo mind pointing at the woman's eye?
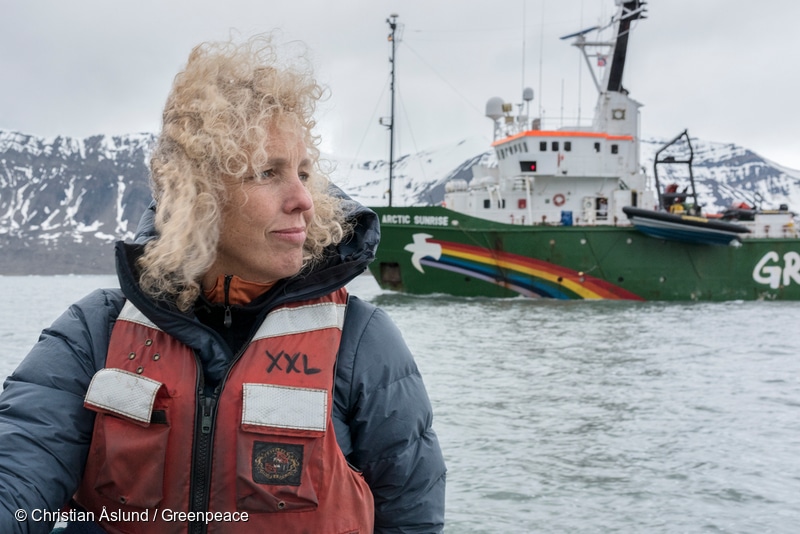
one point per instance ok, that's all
(304, 176)
(269, 173)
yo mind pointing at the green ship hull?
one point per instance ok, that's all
(429, 250)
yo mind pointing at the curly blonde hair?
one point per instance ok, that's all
(217, 120)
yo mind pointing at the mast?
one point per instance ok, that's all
(615, 113)
(392, 20)
(631, 10)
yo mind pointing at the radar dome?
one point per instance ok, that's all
(527, 94)
(494, 108)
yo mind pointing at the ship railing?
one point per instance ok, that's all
(524, 124)
(784, 231)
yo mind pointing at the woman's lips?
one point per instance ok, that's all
(293, 235)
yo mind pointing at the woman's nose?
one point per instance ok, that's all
(298, 195)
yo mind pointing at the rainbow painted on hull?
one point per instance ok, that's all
(527, 276)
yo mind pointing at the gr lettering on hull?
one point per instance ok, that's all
(769, 271)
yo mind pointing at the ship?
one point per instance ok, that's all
(570, 213)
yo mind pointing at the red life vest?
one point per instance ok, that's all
(273, 461)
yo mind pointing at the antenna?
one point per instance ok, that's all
(392, 21)
(524, 31)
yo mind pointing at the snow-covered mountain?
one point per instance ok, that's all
(63, 201)
(726, 173)
(418, 178)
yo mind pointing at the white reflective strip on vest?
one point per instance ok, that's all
(285, 407)
(124, 393)
(132, 314)
(287, 321)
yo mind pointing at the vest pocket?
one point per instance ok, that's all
(276, 475)
(130, 459)
(129, 441)
(279, 458)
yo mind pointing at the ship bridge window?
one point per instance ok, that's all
(597, 147)
(487, 203)
(568, 146)
(542, 146)
(555, 146)
(614, 149)
(525, 145)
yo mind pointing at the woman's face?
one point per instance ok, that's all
(265, 219)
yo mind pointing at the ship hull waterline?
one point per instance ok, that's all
(433, 250)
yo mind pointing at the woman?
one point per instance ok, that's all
(231, 384)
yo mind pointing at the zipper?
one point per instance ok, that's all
(203, 448)
(199, 481)
(227, 288)
(202, 451)
(207, 420)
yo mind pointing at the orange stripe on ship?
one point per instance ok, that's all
(562, 133)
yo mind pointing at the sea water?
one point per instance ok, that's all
(578, 417)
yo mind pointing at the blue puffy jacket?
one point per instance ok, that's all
(45, 430)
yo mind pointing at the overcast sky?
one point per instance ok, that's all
(728, 70)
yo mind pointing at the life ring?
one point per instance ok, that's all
(559, 199)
